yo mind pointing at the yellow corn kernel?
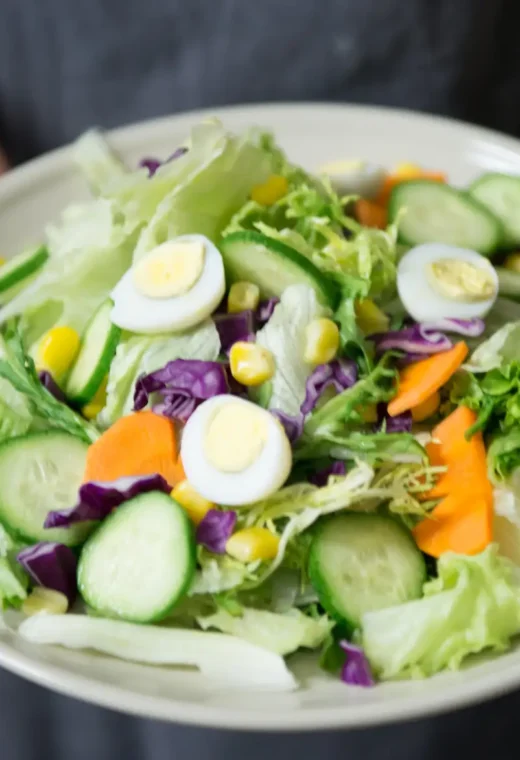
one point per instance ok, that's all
(195, 505)
(370, 318)
(45, 600)
(427, 408)
(250, 363)
(270, 191)
(57, 350)
(405, 169)
(242, 296)
(369, 413)
(253, 543)
(321, 341)
(2, 261)
(512, 262)
(91, 410)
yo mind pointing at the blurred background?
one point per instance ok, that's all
(68, 65)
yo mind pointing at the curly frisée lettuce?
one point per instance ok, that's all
(473, 605)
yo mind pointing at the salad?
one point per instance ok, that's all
(246, 411)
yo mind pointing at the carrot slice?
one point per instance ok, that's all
(371, 214)
(458, 524)
(421, 379)
(392, 180)
(450, 434)
(139, 444)
(426, 408)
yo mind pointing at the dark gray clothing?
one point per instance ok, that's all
(68, 64)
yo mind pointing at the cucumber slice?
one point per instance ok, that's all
(273, 266)
(40, 472)
(364, 562)
(140, 561)
(98, 347)
(17, 272)
(508, 283)
(437, 213)
(500, 193)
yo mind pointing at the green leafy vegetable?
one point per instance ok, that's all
(13, 579)
(345, 409)
(280, 633)
(501, 348)
(99, 164)
(15, 411)
(284, 337)
(141, 354)
(473, 605)
(18, 370)
(89, 253)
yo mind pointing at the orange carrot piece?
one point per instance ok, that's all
(458, 524)
(392, 180)
(450, 434)
(371, 214)
(426, 408)
(466, 475)
(140, 444)
(421, 379)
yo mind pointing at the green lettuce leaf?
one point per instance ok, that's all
(15, 411)
(138, 354)
(14, 581)
(284, 336)
(197, 192)
(89, 253)
(217, 574)
(501, 348)
(280, 633)
(473, 605)
(503, 456)
(343, 413)
(17, 370)
(100, 166)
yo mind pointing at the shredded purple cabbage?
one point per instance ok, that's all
(215, 528)
(182, 385)
(401, 423)
(417, 340)
(471, 328)
(338, 374)
(47, 380)
(152, 164)
(356, 670)
(235, 327)
(265, 310)
(97, 499)
(321, 478)
(51, 565)
(293, 426)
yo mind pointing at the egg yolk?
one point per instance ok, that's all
(171, 270)
(461, 280)
(235, 437)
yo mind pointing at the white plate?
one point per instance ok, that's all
(312, 134)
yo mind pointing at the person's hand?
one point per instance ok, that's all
(3, 162)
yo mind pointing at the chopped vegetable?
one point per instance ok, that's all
(139, 444)
(420, 380)
(215, 528)
(225, 659)
(356, 670)
(371, 214)
(52, 566)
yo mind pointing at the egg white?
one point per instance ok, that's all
(141, 314)
(259, 480)
(422, 302)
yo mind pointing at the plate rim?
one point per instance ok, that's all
(122, 699)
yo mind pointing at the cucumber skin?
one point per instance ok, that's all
(508, 241)
(31, 266)
(93, 385)
(72, 537)
(190, 573)
(394, 207)
(329, 291)
(321, 586)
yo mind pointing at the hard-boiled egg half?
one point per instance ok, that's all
(175, 286)
(354, 177)
(436, 280)
(234, 452)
